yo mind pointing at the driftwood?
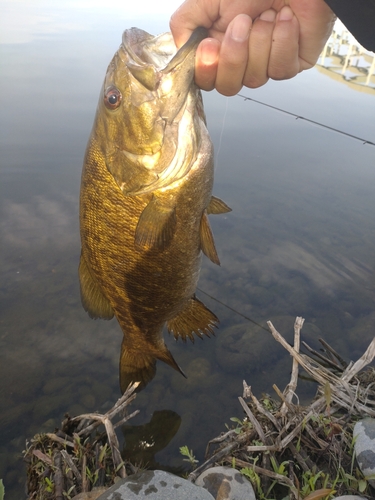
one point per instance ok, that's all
(294, 443)
(78, 457)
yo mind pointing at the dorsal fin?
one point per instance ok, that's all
(207, 240)
(217, 206)
(194, 318)
(92, 298)
(156, 226)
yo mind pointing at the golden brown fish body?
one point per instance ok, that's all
(146, 187)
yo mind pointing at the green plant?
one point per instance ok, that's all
(184, 450)
(2, 490)
(241, 424)
(254, 478)
(92, 476)
(67, 493)
(309, 479)
(281, 468)
(49, 485)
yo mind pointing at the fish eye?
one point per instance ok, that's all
(112, 97)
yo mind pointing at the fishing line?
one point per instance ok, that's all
(222, 131)
(299, 117)
(234, 310)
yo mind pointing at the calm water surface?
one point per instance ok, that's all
(300, 241)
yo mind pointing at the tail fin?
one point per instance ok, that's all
(140, 366)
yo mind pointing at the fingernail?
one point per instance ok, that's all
(268, 15)
(286, 14)
(240, 28)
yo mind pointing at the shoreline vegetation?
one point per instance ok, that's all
(286, 450)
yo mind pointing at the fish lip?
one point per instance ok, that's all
(191, 45)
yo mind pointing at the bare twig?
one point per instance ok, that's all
(84, 474)
(291, 387)
(363, 361)
(114, 444)
(43, 457)
(58, 476)
(59, 440)
(259, 470)
(220, 439)
(326, 360)
(334, 354)
(223, 452)
(69, 463)
(253, 420)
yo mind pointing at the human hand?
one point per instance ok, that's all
(253, 40)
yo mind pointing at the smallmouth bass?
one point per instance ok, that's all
(145, 194)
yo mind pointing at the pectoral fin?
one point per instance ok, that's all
(92, 298)
(194, 318)
(217, 206)
(156, 226)
(207, 240)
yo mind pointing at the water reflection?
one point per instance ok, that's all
(143, 442)
(300, 241)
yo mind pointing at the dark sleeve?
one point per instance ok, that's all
(359, 17)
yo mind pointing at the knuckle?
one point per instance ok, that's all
(254, 82)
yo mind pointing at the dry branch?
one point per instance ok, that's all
(88, 459)
(313, 438)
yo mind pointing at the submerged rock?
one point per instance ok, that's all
(225, 483)
(364, 447)
(247, 347)
(155, 485)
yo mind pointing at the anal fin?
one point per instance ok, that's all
(195, 318)
(207, 240)
(92, 298)
(156, 226)
(217, 206)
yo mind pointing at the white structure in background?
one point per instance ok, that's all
(343, 58)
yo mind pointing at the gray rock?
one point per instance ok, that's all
(225, 483)
(364, 447)
(155, 485)
(349, 497)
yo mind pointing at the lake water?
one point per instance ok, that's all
(300, 240)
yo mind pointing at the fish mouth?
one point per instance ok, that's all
(151, 57)
(168, 75)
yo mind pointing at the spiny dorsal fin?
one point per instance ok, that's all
(156, 226)
(207, 240)
(92, 298)
(194, 318)
(217, 206)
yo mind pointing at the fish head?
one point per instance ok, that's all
(148, 104)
